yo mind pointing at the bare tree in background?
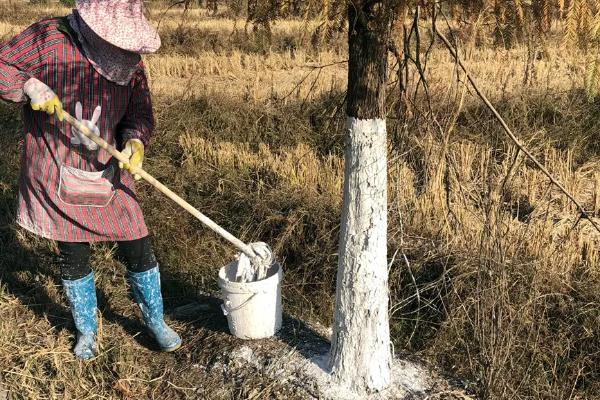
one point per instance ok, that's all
(361, 351)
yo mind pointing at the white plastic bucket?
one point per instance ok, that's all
(253, 309)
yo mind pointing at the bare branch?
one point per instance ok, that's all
(511, 135)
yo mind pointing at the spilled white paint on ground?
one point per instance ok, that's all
(305, 368)
(408, 380)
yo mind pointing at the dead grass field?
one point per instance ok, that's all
(494, 281)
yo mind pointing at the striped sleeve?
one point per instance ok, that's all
(22, 55)
(138, 122)
(12, 79)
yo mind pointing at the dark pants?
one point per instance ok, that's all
(74, 258)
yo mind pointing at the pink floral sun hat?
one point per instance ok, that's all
(121, 23)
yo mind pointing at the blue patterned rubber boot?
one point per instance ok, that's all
(82, 297)
(145, 287)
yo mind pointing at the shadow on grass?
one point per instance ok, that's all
(22, 270)
(317, 122)
(300, 336)
(28, 265)
(25, 274)
(205, 321)
(203, 311)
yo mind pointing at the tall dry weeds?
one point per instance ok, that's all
(493, 278)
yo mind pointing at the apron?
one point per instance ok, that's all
(66, 192)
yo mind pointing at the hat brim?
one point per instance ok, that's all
(127, 33)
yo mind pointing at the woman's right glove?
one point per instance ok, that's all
(43, 98)
(134, 151)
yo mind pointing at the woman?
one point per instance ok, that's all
(70, 191)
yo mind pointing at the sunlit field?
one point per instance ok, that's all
(494, 278)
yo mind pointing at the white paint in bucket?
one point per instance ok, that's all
(253, 309)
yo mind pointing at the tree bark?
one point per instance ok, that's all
(360, 356)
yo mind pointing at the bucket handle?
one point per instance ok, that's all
(226, 306)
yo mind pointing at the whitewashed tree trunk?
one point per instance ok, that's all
(361, 356)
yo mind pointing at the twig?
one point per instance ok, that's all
(321, 66)
(313, 68)
(510, 134)
(174, 4)
(311, 88)
(567, 236)
(412, 276)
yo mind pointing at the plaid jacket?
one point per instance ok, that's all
(66, 192)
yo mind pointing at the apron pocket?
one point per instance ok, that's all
(84, 188)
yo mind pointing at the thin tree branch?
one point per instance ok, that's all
(511, 135)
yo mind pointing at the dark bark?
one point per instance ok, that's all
(360, 357)
(369, 34)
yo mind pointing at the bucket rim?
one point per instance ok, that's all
(249, 287)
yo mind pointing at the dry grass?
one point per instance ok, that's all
(493, 278)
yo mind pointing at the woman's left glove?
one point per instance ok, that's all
(78, 138)
(134, 150)
(43, 98)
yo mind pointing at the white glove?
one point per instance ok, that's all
(79, 138)
(42, 98)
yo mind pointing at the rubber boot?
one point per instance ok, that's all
(82, 298)
(145, 287)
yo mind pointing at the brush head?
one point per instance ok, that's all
(252, 269)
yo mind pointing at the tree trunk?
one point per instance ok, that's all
(360, 356)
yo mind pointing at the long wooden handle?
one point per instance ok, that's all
(165, 190)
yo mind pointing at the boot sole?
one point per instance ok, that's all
(172, 349)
